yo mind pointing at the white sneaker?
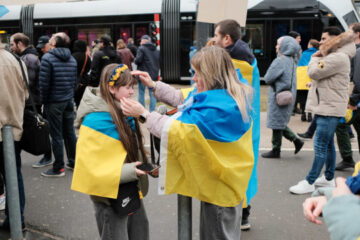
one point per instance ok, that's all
(302, 187)
(2, 203)
(323, 182)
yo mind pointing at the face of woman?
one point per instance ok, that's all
(122, 92)
(199, 82)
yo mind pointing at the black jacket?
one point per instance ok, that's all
(147, 59)
(355, 77)
(103, 57)
(58, 76)
(132, 48)
(241, 51)
(32, 62)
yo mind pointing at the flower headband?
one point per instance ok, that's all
(116, 74)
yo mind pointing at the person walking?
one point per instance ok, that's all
(281, 76)
(130, 45)
(328, 96)
(58, 77)
(125, 54)
(198, 129)
(343, 137)
(303, 79)
(13, 94)
(83, 61)
(113, 143)
(148, 60)
(104, 56)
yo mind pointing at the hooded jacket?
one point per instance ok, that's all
(31, 59)
(90, 103)
(58, 76)
(281, 75)
(329, 92)
(148, 59)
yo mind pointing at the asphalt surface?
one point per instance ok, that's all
(53, 211)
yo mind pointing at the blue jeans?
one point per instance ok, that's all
(19, 177)
(141, 97)
(324, 148)
(61, 120)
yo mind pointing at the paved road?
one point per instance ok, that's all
(52, 208)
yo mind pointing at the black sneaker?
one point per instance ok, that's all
(51, 173)
(344, 165)
(43, 163)
(69, 166)
(304, 136)
(245, 225)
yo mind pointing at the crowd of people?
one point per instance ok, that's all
(209, 146)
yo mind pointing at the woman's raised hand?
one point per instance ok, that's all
(131, 108)
(144, 77)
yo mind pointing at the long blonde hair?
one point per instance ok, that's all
(126, 134)
(214, 66)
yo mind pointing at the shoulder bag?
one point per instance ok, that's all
(285, 97)
(36, 130)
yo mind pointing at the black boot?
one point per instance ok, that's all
(347, 162)
(298, 145)
(303, 117)
(309, 117)
(271, 154)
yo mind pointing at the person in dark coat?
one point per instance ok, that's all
(58, 77)
(20, 45)
(104, 56)
(148, 60)
(281, 75)
(126, 56)
(83, 68)
(130, 45)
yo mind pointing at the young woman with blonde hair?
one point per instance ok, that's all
(206, 147)
(126, 56)
(108, 150)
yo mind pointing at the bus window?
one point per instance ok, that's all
(254, 38)
(125, 33)
(140, 29)
(90, 34)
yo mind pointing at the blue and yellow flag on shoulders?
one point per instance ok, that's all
(206, 150)
(301, 70)
(249, 74)
(100, 156)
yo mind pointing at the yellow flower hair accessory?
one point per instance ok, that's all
(116, 74)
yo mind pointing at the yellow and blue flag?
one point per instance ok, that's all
(206, 150)
(301, 70)
(100, 156)
(249, 74)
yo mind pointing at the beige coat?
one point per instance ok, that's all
(13, 93)
(329, 92)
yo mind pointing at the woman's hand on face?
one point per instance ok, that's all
(138, 171)
(144, 77)
(131, 108)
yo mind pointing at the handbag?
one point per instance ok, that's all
(128, 199)
(285, 97)
(36, 130)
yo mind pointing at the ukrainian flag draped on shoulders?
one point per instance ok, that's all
(206, 150)
(249, 74)
(98, 169)
(301, 70)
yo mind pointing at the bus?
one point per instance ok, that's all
(267, 20)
